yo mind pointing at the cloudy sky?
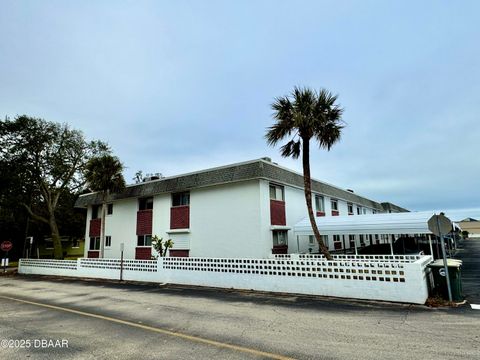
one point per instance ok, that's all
(178, 86)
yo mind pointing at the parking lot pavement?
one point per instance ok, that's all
(469, 253)
(106, 320)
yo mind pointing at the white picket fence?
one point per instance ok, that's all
(400, 279)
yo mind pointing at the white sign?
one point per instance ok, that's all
(5, 262)
(442, 272)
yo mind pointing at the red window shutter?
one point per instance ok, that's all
(144, 222)
(180, 217)
(95, 226)
(277, 212)
(143, 253)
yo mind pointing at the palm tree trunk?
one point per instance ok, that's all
(307, 181)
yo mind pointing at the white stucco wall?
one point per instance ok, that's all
(226, 220)
(121, 226)
(296, 210)
(87, 229)
(405, 280)
(231, 220)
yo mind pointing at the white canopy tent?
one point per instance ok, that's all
(384, 223)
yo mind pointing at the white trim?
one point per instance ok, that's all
(178, 231)
(280, 227)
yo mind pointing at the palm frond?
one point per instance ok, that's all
(292, 148)
(304, 101)
(284, 125)
(308, 114)
(104, 173)
(328, 134)
(282, 108)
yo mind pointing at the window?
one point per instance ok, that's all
(334, 203)
(337, 244)
(374, 211)
(145, 203)
(364, 211)
(362, 240)
(109, 209)
(181, 199)
(276, 192)
(75, 243)
(95, 243)
(313, 241)
(108, 241)
(280, 237)
(144, 240)
(359, 210)
(325, 239)
(320, 203)
(95, 211)
(351, 238)
(350, 208)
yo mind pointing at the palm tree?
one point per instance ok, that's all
(104, 174)
(304, 115)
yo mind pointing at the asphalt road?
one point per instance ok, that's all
(107, 320)
(469, 253)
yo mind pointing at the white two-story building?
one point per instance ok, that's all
(245, 210)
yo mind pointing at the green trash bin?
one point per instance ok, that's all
(440, 281)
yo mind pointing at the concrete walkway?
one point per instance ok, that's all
(469, 253)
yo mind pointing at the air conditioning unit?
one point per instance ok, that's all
(151, 177)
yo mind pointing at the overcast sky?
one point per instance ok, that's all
(178, 86)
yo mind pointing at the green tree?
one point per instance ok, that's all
(50, 158)
(13, 217)
(104, 174)
(301, 117)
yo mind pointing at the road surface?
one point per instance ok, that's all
(108, 320)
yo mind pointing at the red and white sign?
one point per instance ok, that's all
(6, 246)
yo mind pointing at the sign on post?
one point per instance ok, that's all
(441, 225)
(6, 246)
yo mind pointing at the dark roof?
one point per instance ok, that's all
(389, 207)
(256, 169)
(469, 220)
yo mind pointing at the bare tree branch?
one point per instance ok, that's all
(33, 215)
